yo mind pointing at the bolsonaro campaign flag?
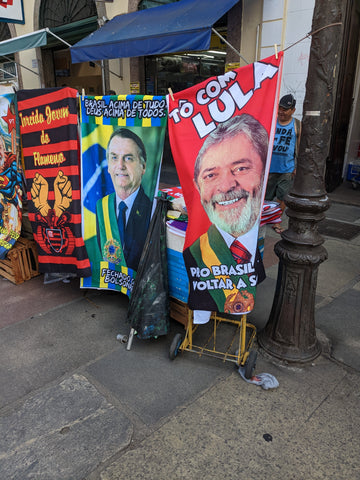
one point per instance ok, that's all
(122, 140)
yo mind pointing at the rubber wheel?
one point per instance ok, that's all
(250, 364)
(175, 344)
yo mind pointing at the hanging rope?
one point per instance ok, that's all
(311, 34)
(287, 48)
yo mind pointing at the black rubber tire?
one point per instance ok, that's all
(175, 344)
(250, 364)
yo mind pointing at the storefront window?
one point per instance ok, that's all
(8, 73)
(179, 72)
(8, 68)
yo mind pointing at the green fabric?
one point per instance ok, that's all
(24, 42)
(111, 221)
(225, 257)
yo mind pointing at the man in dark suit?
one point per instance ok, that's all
(123, 217)
(224, 264)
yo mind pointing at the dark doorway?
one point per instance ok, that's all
(344, 97)
(70, 20)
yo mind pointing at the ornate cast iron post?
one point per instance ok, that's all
(290, 333)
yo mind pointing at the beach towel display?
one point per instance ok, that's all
(49, 133)
(10, 176)
(122, 139)
(221, 133)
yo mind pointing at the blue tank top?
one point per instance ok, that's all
(283, 155)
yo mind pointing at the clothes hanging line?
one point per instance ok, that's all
(310, 34)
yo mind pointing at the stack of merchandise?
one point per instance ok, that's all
(175, 236)
(271, 213)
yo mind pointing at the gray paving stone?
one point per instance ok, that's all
(150, 384)
(62, 433)
(345, 213)
(46, 347)
(221, 435)
(339, 320)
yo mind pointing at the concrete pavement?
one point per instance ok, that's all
(76, 405)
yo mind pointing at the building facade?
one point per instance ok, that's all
(50, 65)
(255, 28)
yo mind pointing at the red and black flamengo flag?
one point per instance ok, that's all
(50, 147)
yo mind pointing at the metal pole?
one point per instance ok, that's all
(58, 38)
(100, 64)
(102, 76)
(229, 44)
(130, 339)
(20, 65)
(290, 334)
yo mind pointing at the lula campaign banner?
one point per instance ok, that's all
(50, 146)
(122, 140)
(10, 176)
(221, 132)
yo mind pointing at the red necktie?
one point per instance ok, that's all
(239, 252)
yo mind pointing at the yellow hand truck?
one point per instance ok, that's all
(238, 350)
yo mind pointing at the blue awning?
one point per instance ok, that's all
(177, 27)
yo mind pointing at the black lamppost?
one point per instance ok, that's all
(290, 333)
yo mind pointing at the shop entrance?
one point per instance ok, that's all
(70, 20)
(80, 76)
(345, 137)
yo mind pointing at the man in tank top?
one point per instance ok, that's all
(285, 148)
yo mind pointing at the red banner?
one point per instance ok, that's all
(221, 134)
(49, 135)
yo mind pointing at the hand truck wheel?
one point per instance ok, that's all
(175, 344)
(250, 364)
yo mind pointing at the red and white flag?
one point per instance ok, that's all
(221, 134)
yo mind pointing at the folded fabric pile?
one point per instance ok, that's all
(265, 380)
(271, 213)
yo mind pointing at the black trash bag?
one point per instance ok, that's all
(149, 305)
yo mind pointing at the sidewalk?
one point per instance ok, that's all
(76, 405)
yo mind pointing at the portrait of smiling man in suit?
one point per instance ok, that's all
(123, 217)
